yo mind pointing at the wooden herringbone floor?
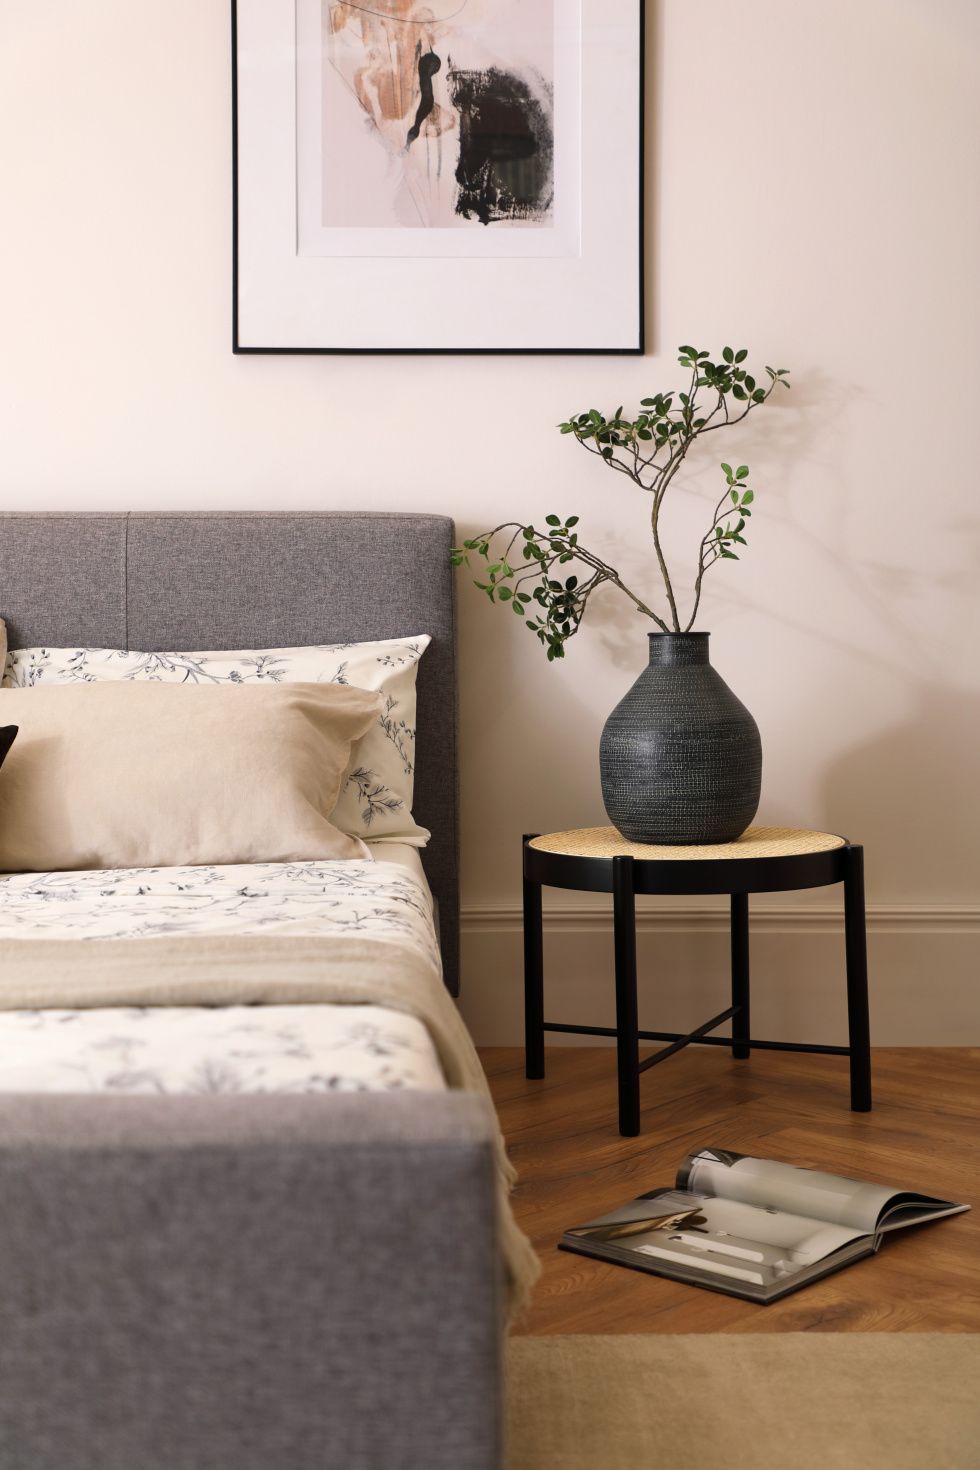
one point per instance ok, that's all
(924, 1133)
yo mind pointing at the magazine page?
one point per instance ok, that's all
(649, 1212)
(727, 1240)
(805, 1192)
(916, 1209)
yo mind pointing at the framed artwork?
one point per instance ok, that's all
(438, 175)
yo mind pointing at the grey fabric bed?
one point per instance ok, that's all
(242, 1283)
(182, 581)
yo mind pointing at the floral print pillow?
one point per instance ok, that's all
(376, 797)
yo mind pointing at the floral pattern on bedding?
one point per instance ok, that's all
(322, 1048)
(190, 1049)
(376, 798)
(377, 899)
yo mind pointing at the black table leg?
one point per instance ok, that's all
(533, 979)
(856, 950)
(627, 1022)
(740, 974)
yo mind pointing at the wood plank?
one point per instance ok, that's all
(924, 1132)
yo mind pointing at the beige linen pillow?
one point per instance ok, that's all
(375, 799)
(162, 775)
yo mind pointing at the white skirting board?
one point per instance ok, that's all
(924, 970)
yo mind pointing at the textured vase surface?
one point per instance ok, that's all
(680, 757)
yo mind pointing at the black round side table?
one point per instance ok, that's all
(763, 860)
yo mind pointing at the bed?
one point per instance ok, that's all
(262, 1229)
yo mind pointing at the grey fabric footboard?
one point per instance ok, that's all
(248, 1283)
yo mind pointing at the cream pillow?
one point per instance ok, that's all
(157, 775)
(375, 799)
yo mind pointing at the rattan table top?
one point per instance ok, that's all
(755, 842)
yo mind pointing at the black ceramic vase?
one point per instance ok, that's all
(680, 757)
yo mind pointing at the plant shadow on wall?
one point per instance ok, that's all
(912, 785)
(680, 757)
(909, 792)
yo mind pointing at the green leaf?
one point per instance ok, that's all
(504, 594)
(571, 521)
(741, 472)
(741, 355)
(728, 355)
(728, 470)
(748, 497)
(552, 520)
(734, 495)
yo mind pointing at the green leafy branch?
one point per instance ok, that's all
(551, 605)
(649, 450)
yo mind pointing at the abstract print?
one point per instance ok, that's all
(443, 116)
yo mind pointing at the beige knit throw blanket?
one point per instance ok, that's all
(201, 970)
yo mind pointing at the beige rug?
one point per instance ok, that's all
(796, 1401)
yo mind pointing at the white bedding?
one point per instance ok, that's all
(228, 1049)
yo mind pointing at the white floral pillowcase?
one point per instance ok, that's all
(376, 797)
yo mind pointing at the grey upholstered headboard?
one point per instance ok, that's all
(175, 581)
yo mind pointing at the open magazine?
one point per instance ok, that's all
(753, 1228)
